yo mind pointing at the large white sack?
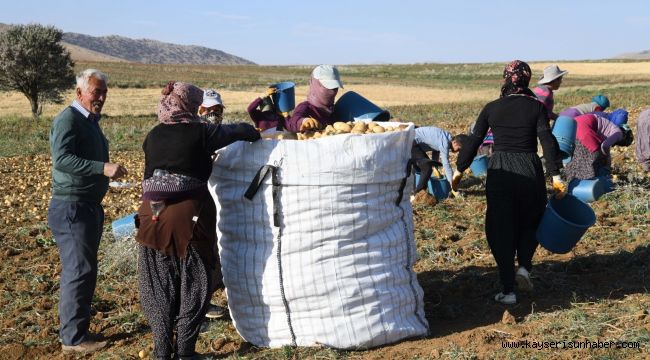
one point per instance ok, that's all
(338, 269)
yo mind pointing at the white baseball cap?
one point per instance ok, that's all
(211, 98)
(328, 76)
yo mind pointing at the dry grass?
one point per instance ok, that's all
(135, 102)
(598, 69)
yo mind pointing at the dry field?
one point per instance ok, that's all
(597, 292)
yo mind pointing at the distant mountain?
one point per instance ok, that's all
(641, 55)
(115, 48)
(151, 51)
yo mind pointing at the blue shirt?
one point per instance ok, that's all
(439, 140)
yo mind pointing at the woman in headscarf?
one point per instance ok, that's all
(317, 111)
(643, 139)
(177, 219)
(595, 135)
(598, 103)
(515, 185)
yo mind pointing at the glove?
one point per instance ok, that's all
(270, 91)
(309, 124)
(455, 193)
(436, 173)
(559, 187)
(455, 180)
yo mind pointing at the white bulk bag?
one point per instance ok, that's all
(337, 268)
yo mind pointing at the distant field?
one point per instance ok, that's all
(135, 88)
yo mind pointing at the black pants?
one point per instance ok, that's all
(516, 199)
(174, 295)
(423, 164)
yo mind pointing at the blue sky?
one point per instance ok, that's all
(362, 31)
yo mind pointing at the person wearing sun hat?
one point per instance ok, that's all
(318, 110)
(550, 81)
(211, 109)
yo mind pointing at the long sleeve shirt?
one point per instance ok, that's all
(187, 148)
(305, 110)
(439, 140)
(79, 150)
(516, 121)
(545, 95)
(263, 120)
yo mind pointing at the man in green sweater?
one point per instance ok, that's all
(80, 173)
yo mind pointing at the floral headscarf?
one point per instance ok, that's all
(516, 77)
(320, 96)
(179, 103)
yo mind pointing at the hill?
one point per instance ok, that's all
(152, 51)
(115, 48)
(641, 55)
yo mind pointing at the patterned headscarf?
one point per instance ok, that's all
(320, 96)
(516, 77)
(179, 103)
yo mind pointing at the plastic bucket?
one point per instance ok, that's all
(563, 223)
(124, 227)
(608, 184)
(285, 96)
(587, 190)
(439, 188)
(564, 131)
(479, 166)
(352, 106)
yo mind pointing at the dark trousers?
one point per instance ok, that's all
(174, 295)
(77, 229)
(516, 199)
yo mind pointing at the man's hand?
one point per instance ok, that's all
(559, 187)
(114, 171)
(309, 124)
(456, 179)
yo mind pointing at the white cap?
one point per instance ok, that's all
(211, 98)
(551, 73)
(328, 76)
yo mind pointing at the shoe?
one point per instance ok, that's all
(523, 279)
(215, 312)
(85, 347)
(507, 299)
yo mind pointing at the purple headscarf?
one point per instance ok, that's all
(320, 96)
(516, 77)
(179, 103)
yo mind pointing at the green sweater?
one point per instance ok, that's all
(79, 151)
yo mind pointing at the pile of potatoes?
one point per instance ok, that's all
(350, 127)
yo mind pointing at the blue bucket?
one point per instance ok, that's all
(124, 227)
(479, 166)
(564, 131)
(563, 224)
(352, 106)
(285, 96)
(608, 184)
(439, 188)
(587, 190)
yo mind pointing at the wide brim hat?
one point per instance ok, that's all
(551, 73)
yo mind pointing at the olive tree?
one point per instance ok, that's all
(33, 62)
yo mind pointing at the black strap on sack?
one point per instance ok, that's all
(254, 186)
(400, 192)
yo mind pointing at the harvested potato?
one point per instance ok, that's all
(360, 126)
(341, 126)
(378, 129)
